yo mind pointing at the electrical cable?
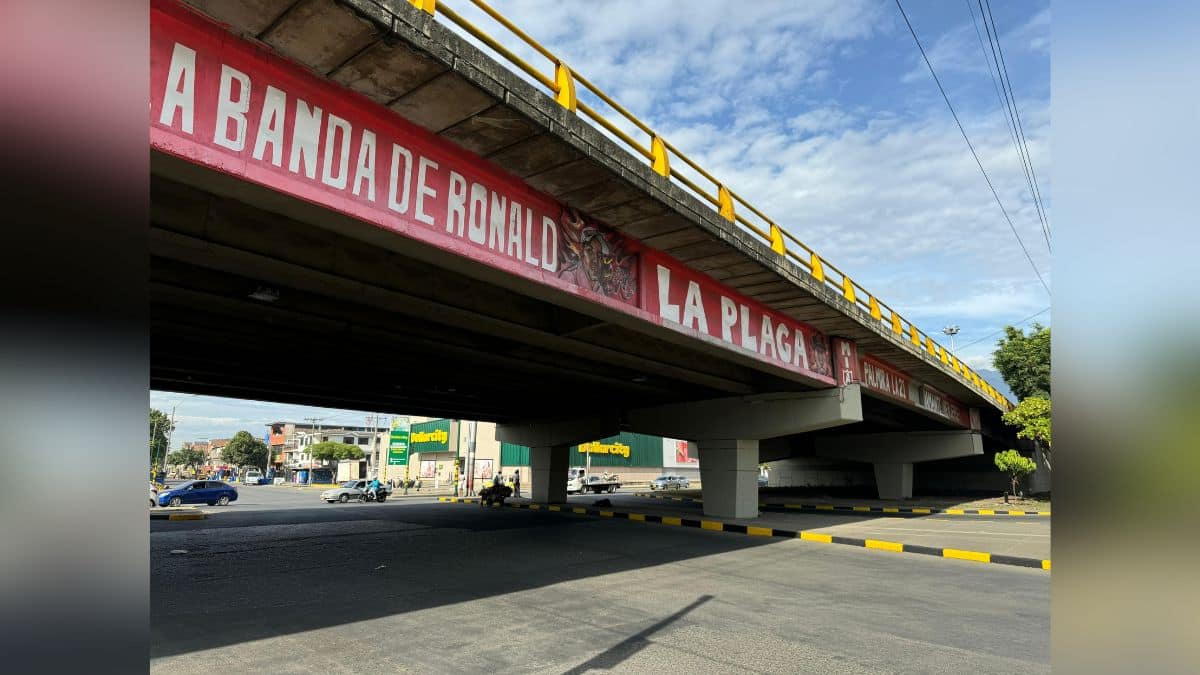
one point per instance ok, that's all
(974, 154)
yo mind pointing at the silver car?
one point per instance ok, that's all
(668, 482)
(351, 489)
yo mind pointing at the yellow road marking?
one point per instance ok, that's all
(793, 506)
(670, 520)
(825, 507)
(606, 514)
(535, 507)
(986, 512)
(555, 508)
(1043, 513)
(815, 536)
(862, 508)
(955, 512)
(976, 556)
(891, 509)
(578, 509)
(759, 531)
(922, 511)
(712, 525)
(885, 545)
(637, 516)
(1016, 513)
(1045, 564)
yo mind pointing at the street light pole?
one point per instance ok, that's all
(951, 331)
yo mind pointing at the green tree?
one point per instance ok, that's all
(1024, 361)
(246, 450)
(1015, 466)
(332, 451)
(187, 457)
(1032, 419)
(160, 428)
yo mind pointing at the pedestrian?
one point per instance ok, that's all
(517, 483)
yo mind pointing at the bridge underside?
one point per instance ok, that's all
(365, 319)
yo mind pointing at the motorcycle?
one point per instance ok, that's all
(379, 496)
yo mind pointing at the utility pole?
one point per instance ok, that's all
(471, 428)
(170, 430)
(317, 422)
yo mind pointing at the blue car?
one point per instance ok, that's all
(210, 492)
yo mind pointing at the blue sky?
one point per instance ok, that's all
(822, 114)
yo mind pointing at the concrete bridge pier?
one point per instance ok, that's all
(893, 454)
(727, 433)
(549, 443)
(548, 469)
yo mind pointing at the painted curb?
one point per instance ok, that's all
(886, 510)
(755, 531)
(198, 515)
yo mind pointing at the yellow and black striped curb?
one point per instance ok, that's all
(755, 531)
(887, 510)
(191, 515)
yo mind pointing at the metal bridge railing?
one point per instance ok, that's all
(660, 154)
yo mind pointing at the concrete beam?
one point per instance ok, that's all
(901, 447)
(564, 432)
(752, 417)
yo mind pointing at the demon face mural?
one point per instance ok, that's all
(596, 257)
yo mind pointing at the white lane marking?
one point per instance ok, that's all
(945, 532)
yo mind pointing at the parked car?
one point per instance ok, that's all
(153, 495)
(211, 492)
(351, 490)
(252, 477)
(668, 482)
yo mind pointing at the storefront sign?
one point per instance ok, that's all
(676, 454)
(598, 448)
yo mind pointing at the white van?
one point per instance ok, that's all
(251, 476)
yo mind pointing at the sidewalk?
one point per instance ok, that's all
(814, 499)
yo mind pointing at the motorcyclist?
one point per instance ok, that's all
(373, 488)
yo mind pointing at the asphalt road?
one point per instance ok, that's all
(414, 586)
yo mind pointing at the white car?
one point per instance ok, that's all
(251, 477)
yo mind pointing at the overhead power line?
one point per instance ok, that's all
(1006, 101)
(974, 154)
(1011, 97)
(1019, 323)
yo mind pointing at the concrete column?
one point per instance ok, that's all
(894, 480)
(548, 469)
(729, 478)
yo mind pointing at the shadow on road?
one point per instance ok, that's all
(264, 574)
(623, 650)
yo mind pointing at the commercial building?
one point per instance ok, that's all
(636, 458)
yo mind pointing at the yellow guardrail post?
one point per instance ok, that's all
(929, 346)
(945, 356)
(848, 289)
(660, 162)
(818, 270)
(916, 337)
(566, 86)
(875, 313)
(429, 6)
(725, 204)
(777, 244)
(896, 327)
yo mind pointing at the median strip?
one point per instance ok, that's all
(758, 531)
(891, 510)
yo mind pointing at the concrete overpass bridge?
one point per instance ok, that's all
(353, 206)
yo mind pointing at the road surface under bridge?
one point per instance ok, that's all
(352, 206)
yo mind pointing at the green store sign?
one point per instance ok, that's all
(431, 436)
